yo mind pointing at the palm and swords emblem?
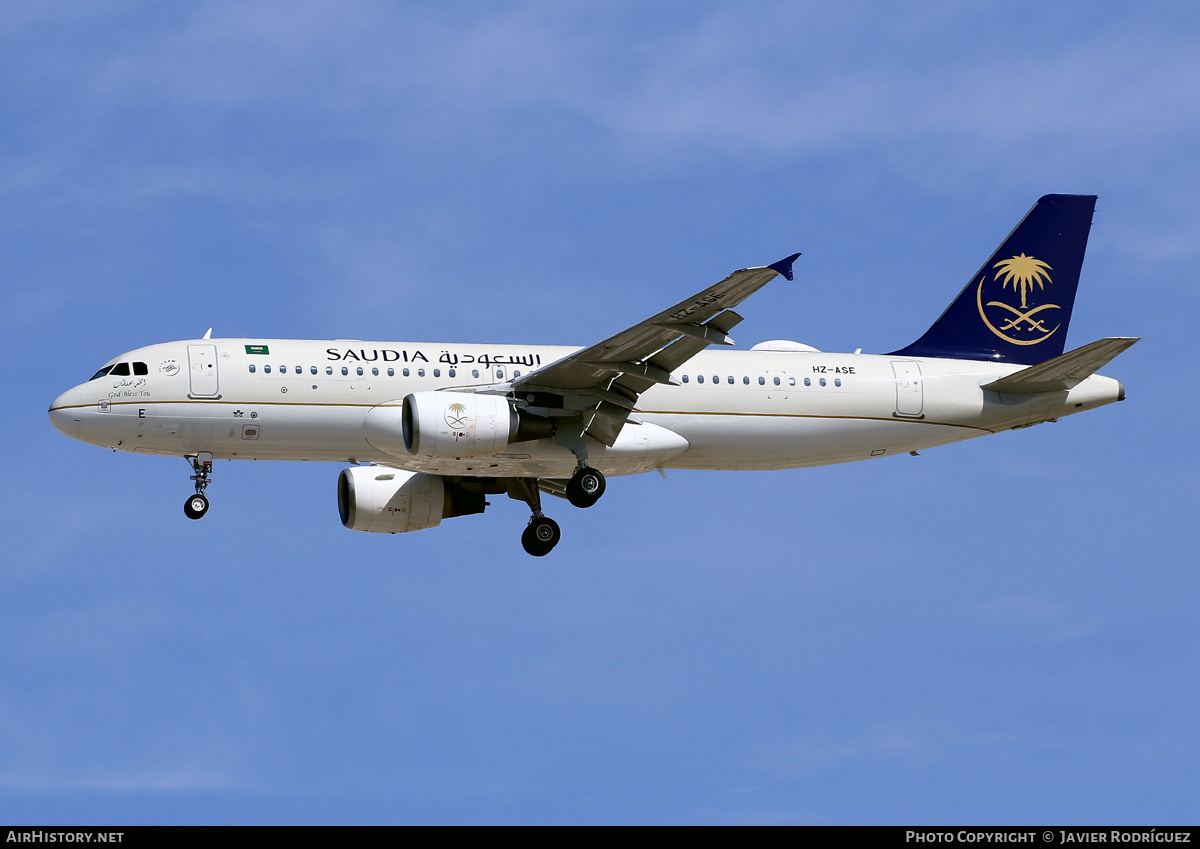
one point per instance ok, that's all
(456, 415)
(458, 419)
(1019, 324)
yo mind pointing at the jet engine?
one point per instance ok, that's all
(450, 424)
(384, 500)
(389, 501)
(457, 424)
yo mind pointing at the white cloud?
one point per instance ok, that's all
(915, 741)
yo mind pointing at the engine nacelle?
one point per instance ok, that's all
(457, 424)
(392, 501)
(389, 501)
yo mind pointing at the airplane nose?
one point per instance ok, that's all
(65, 418)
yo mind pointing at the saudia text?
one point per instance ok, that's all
(450, 358)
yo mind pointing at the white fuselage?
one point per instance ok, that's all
(758, 409)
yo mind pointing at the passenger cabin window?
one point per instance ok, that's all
(777, 381)
(746, 380)
(808, 381)
(391, 372)
(375, 372)
(420, 372)
(437, 372)
(345, 370)
(474, 373)
(731, 378)
(251, 367)
(140, 368)
(299, 369)
(313, 369)
(685, 378)
(763, 380)
(329, 369)
(120, 370)
(404, 372)
(267, 369)
(452, 372)
(101, 373)
(360, 370)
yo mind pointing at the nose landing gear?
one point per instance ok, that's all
(197, 505)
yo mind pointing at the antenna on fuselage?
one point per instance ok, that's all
(207, 334)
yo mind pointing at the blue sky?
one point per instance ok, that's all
(1001, 631)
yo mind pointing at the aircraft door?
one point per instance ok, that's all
(910, 393)
(202, 371)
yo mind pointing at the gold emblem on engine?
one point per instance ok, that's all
(1024, 324)
(456, 416)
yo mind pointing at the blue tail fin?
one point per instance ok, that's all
(1017, 307)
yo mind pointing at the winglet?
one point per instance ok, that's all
(784, 266)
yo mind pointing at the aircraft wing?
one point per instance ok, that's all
(606, 379)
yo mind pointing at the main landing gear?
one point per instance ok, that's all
(540, 536)
(542, 533)
(197, 505)
(585, 486)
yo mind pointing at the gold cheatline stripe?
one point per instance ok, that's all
(215, 401)
(644, 412)
(811, 416)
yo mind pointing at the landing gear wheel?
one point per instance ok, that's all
(196, 506)
(540, 536)
(585, 487)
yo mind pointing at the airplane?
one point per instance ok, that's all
(431, 430)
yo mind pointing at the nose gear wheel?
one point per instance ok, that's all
(196, 506)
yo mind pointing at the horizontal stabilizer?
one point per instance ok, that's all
(1064, 371)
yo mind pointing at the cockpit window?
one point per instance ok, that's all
(101, 373)
(140, 368)
(120, 370)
